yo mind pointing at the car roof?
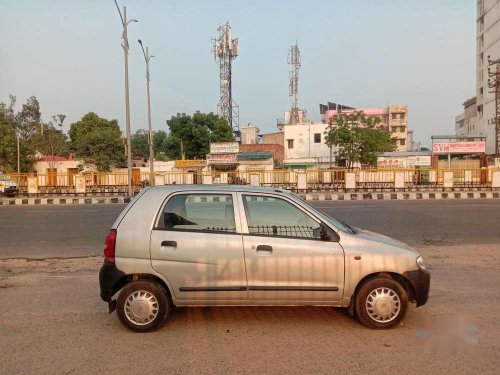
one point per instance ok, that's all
(218, 187)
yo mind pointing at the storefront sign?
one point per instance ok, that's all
(458, 147)
(224, 147)
(218, 159)
(422, 160)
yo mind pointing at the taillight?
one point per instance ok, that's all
(109, 247)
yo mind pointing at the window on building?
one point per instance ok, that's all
(317, 137)
(394, 116)
(289, 143)
(402, 142)
(402, 116)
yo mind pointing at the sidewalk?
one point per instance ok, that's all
(312, 196)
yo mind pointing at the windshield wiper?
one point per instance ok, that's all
(353, 231)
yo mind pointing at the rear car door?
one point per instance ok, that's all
(197, 246)
(286, 260)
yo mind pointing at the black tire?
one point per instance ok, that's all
(390, 288)
(143, 289)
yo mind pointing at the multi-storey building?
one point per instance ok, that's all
(394, 118)
(487, 45)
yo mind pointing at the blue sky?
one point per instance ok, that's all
(359, 53)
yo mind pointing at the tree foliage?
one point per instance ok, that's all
(194, 134)
(358, 139)
(97, 141)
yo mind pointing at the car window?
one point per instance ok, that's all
(278, 217)
(199, 212)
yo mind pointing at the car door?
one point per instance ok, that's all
(197, 246)
(286, 260)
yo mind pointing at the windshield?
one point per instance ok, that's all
(339, 224)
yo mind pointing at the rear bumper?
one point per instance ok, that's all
(110, 280)
(420, 280)
(10, 191)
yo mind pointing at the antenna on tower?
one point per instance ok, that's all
(294, 60)
(225, 50)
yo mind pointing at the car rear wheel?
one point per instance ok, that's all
(143, 306)
(381, 303)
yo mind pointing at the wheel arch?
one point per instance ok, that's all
(392, 275)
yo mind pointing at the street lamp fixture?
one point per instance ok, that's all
(147, 58)
(126, 47)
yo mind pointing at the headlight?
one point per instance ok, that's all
(420, 263)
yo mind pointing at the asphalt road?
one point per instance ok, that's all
(71, 231)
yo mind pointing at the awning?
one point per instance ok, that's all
(298, 166)
(254, 156)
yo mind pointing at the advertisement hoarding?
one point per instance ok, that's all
(458, 147)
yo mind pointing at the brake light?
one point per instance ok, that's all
(109, 247)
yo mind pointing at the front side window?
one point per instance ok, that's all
(271, 216)
(199, 212)
(317, 137)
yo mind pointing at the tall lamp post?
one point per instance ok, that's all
(148, 57)
(126, 47)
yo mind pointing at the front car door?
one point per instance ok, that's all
(197, 246)
(285, 258)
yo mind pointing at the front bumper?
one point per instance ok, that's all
(420, 280)
(110, 280)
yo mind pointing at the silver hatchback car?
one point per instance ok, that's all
(209, 245)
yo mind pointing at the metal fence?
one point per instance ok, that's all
(311, 179)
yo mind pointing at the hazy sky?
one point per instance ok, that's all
(360, 53)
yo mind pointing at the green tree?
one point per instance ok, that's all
(97, 141)
(25, 124)
(139, 143)
(8, 147)
(50, 142)
(358, 138)
(193, 134)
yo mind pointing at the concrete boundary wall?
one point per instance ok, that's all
(317, 196)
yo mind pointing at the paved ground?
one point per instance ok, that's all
(52, 320)
(35, 231)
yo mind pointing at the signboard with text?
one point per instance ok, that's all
(224, 147)
(458, 147)
(218, 159)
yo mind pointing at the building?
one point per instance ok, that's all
(487, 44)
(458, 152)
(394, 118)
(273, 138)
(250, 135)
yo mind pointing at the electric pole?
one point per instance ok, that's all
(126, 47)
(494, 84)
(148, 57)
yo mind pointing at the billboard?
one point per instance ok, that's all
(224, 147)
(458, 147)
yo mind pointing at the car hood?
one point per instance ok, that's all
(380, 238)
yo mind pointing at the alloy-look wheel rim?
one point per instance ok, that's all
(383, 305)
(141, 307)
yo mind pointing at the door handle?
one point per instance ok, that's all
(167, 244)
(264, 250)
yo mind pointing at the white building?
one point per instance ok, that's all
(305, 145)
(487, 44)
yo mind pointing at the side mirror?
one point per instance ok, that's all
(328, 234)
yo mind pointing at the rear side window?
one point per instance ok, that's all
(199, 212)
(271, 216)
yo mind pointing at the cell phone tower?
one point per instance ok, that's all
(225, 50)
(294, 60)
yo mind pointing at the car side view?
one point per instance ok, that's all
(209, 245)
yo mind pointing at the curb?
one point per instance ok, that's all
(62, 201)
(319, 196)
(401, 196)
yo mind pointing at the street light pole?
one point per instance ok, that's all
(125, 46)
(18, 157)
(148, 57)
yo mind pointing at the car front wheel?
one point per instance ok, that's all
(381, 303)
(142, 306)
